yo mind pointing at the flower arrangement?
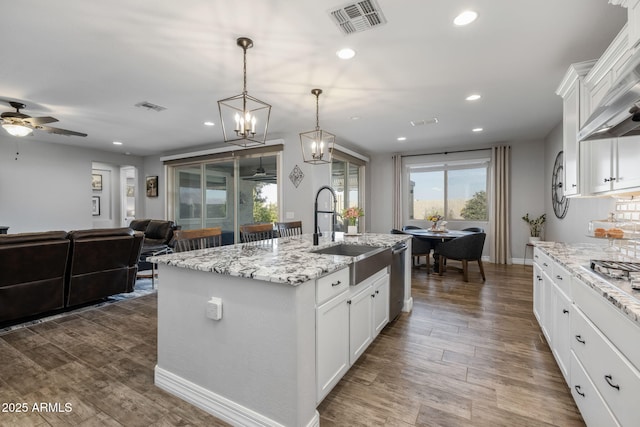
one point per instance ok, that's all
(535, 224)
(352, 214)
(434, 218)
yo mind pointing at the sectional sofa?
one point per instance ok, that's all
(46, 271)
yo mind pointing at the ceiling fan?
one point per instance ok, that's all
(20, 124)
(261, 175)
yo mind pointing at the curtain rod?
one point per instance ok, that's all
(446, 152)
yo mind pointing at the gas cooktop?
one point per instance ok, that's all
(618, 270)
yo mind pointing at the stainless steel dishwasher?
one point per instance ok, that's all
(396, 291)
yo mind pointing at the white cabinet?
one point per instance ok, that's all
(368, 312)
(380, 304)
(574, 113)
(360, 324)
(332, 344)
(613, 164)
(538, 293)
(627, 162)
(348, 318)
(561, 323)
(332, 334)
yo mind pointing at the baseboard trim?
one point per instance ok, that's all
(219, 406)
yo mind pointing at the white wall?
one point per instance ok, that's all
(573, 227)
(48, 186)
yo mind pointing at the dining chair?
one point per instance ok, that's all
(256, 232)
(463, 249)
(190, 240)
(419, 247)
(474, 229)
(288, 229)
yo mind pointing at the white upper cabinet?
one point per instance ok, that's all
(628, 163)
(571, 90)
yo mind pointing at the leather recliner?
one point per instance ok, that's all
(102, 262)
(32, 273)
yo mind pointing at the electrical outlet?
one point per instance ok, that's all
(214, 308)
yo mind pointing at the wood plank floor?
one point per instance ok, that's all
(470, 354)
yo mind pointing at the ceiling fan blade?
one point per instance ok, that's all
(59, 131)
(35, 121)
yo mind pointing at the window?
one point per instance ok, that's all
(457, 191)
(225, 190)
(347, 179)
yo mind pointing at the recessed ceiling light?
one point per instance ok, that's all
(346, 53)
(465, 18)
(209, 124)
(355, 118)
(402, 138)
(473, 97)
(117, 143)
(477, 130)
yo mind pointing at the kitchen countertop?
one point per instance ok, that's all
(575, 258)
(284, 260)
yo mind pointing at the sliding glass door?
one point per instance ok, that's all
(225, 193)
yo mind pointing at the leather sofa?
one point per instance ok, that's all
(32, 273)
(53, 270)
(102, 262)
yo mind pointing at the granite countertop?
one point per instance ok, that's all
(284, 260)
(576, 257)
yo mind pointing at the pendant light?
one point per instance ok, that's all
(317, 145)
(244, 118)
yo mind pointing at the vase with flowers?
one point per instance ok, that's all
(435, 219)
(351, 215)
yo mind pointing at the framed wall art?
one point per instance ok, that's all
(96, 182)
(152, 186)
(95, 206)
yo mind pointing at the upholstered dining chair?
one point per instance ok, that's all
(464, 249)
(189, 240)
(288, 229)
(419, 247)
(256, 232)
(474, 229)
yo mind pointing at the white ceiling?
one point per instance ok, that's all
(88, 62)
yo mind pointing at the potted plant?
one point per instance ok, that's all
(351, 215)
(535, 226)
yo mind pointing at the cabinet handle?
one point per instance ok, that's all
(580, 340)
(559, 277)
(539, 277)
(377, 292)
(349, 302)
(574, 185)
(336, 283)
(565, 311)
(578, 388)
(373, 295)
(545, 264)
(609, 378)
(610, 179)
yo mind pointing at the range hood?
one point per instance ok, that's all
(619, 111)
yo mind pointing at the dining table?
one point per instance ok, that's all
(435, 237)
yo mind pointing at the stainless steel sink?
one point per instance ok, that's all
(347, 250)
(367, 260)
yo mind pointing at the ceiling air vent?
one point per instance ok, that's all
(150, 106)
(359, 16)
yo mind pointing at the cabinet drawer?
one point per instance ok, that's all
(331, 285)
(620, 330)
(592, 407)
(543, 261)
(562, 278)
(617, 381)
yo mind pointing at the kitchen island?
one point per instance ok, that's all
(239, 331)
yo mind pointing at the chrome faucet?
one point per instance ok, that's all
(333, 213)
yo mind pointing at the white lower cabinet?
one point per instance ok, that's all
(332, 343)
(590, 403)
(348, 318)
(596, 347)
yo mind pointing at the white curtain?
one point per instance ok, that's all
(500, 241)
(397, 192)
